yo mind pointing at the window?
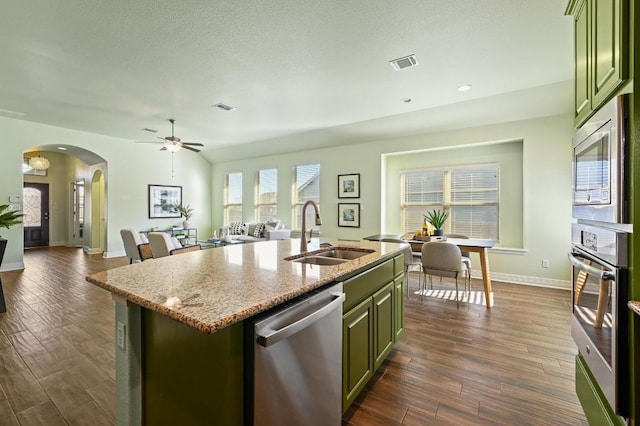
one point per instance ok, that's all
(306, 180)
(233, 198)
(267, 195)
(469, 193)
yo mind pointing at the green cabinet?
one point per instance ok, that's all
(399, 307)
(357, 359)
(384, 321)
(600, 37)
(371, 324)
(595, 405)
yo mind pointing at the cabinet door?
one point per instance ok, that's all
(357, 345)
(384, 319)
(582, 61)
(399, 307)
(608, 31)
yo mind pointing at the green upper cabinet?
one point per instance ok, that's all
(600, 36)
(582, 71)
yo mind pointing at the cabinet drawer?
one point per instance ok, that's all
(365, 284)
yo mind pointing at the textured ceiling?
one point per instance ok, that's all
(289, 67)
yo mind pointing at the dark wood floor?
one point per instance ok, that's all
(512, 365)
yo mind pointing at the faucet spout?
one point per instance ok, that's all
(303, 234)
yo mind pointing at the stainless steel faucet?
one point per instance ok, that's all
(303, 236)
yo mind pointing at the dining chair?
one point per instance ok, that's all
(164, 245)
(135, 247)
(442, 259)
(466, 257)
(411, 260)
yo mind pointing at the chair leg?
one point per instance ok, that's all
(457, 301)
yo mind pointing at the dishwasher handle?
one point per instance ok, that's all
(269, 336)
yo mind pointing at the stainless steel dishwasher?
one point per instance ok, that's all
(297, 362)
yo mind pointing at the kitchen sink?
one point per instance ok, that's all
(341, 253)
(330, 256)
(318, 260)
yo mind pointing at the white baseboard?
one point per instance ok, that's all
(525, 280)
(114, 253)
(12, 266)
(90, 250)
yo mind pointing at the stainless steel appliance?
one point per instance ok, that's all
(297, 362)
(599, 165)
(599, 321)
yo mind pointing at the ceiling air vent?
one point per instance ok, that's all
(405, 62)
(223, 107)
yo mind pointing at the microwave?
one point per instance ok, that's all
(599, 166)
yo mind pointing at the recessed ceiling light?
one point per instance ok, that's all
(464, 88)
(406, 100)
(62, 148)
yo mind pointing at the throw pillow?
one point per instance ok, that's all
(258, 232)
(176, 243)
(236, 228)
(272, 224)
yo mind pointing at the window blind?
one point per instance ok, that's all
(470, 194)
(233, 198)
(267, 194)
(306, 187)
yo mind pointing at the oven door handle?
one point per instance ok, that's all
(603, 275)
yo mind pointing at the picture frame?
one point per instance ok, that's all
(349, 215)
(162, 199)
(349, 186)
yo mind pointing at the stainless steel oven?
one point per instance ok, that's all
(599, 165)
(599, 321)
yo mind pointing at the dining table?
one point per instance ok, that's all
(471, 245)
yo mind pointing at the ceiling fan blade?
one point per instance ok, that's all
(192, 143)
(190, 149)
(164, 148)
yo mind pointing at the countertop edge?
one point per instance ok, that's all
(229, 320)
(634, 306)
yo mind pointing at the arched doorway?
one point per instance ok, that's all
(76, 181)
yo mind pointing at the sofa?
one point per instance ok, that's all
(256, 231)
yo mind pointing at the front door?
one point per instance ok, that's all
(35, 207)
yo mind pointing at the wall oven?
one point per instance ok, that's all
(599, 166)
(599, 315)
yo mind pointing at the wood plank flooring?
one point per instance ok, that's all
(512, 365)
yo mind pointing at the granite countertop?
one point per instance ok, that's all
(634, 306)
(215, 288)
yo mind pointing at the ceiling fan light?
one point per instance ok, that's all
(172, 147)
(39, 163)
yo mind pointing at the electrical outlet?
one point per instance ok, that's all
(121, 334)
(545, 263)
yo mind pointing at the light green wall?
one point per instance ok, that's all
(546, 164)
(129, 169)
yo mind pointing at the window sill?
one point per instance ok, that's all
(509, 250)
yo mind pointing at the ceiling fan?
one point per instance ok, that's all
(173, 143)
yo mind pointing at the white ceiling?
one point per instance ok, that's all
(289, 67)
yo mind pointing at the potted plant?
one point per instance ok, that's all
(437, 218)
(8, 218)
(186, 211)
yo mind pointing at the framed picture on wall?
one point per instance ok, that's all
(349, 186)
(162, 200)
(349, 215)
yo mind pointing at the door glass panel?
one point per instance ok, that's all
(32, 202)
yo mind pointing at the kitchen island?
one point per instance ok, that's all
(179, 323)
